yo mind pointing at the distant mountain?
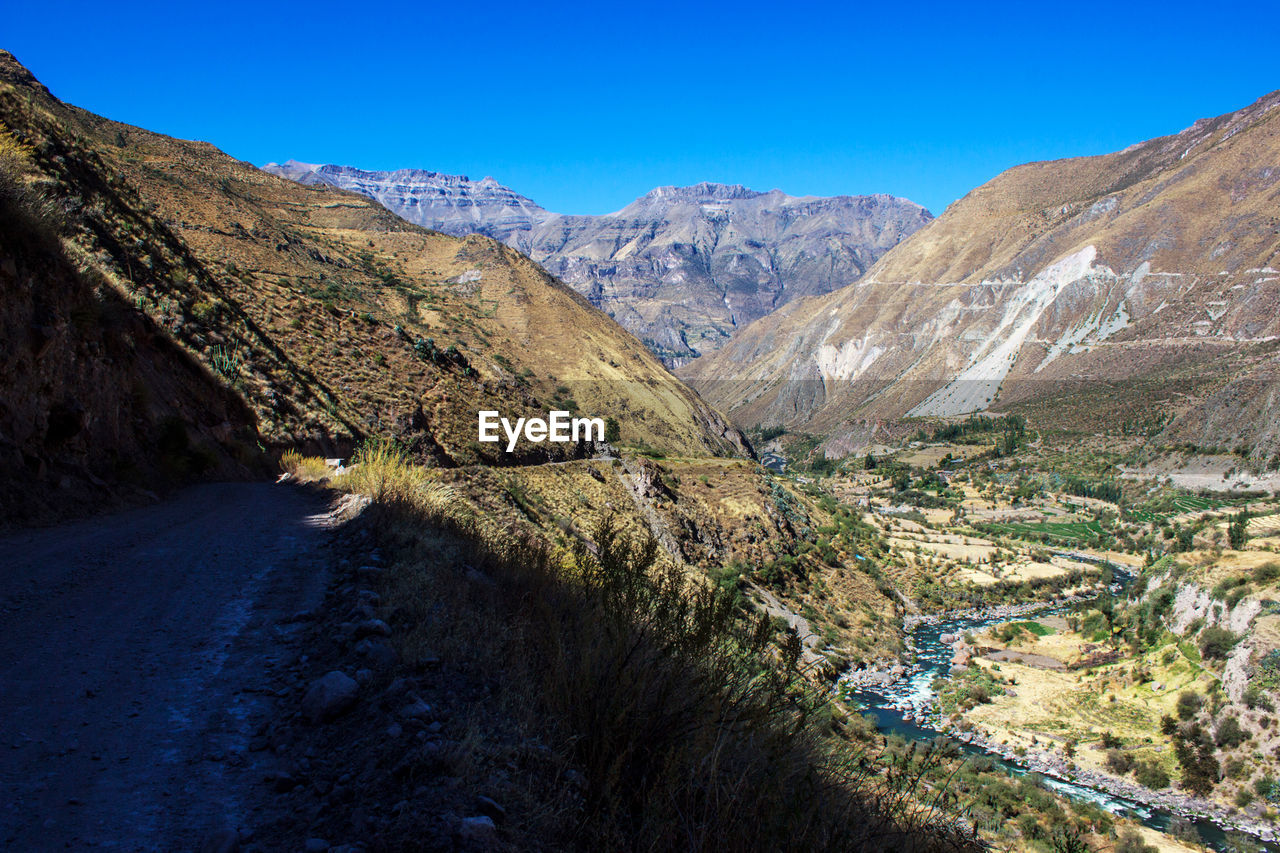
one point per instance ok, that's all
(454, 204)
(1139, 286)
(681, 267)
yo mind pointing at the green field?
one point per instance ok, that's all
(1034, 627)
(1185, 503)
(1066, 531)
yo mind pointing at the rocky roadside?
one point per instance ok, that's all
(367, 753)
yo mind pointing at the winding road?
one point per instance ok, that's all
(136, 661)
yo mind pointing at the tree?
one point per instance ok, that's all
(1229, 734)
(1238, 530)
(1189, 704)
(869, 463)
(1217, 642)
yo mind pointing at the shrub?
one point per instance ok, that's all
(1131, 842)
(1189, 704)
(1151, 775)
(691, 726)
(1217, 642)
(1229, 734)
(1119, 762)
(306, 468)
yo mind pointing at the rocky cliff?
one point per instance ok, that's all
(681, 267)
(454, 204)
(1140, 284)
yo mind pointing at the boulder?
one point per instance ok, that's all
(480, 829)
(329, 696)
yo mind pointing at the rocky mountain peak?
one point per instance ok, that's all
(704, 191)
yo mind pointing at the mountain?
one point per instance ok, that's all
(1096, 290)
(330, 318)
(454, 204)
(680, 267)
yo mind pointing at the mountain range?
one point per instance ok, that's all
(681, 267)
(1139, 286)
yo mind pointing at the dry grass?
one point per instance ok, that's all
(309, 469)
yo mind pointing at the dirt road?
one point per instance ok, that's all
(136, 654)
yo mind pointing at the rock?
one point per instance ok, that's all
(364, 676)
(329, 696)
(416, 710)
(491, 808)
(394, 730)
(372, 628)
(283, 781)
(316, 845)
(478, 577)
(378, 651)
(480, 828)
(222, 841)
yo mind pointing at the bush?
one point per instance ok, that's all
(1189, 704)
(1131, 842)
(1119, 762)
(1151, 775)
(1256, 698)
(308, 469)
(1229, 734)
(1217, 642)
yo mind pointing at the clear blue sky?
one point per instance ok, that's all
(583, 107)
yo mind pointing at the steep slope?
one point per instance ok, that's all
(334, 319)
(1137, 283)
(97, 403)
(681, 267)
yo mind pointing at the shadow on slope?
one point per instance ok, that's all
(99, 405)
(607, 700)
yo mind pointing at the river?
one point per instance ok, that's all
(891, 705)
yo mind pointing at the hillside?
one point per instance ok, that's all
(333, 319)
(98, 404)
(680, 267)
(1140, 284)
